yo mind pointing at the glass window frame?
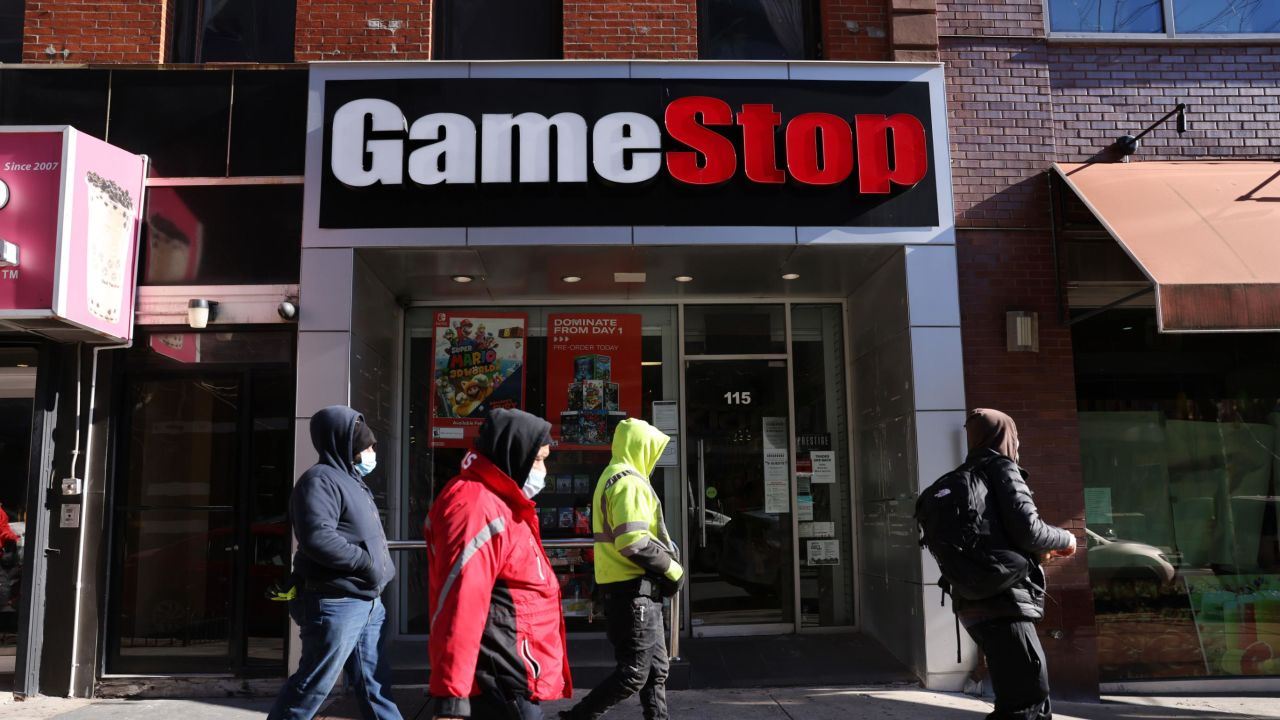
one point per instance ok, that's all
(811, 25)
(1170, 33)
(440, 34)
(186, 41)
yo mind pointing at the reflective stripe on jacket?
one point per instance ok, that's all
(494, 601)
(631, 536)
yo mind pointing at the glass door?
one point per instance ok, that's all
(739, 469)
(17, 393)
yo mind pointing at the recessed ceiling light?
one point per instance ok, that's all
(462, 278)
(683, 278)
(791, 276)
(571, 279)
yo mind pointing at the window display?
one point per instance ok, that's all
(582, 371)
(1181, 471)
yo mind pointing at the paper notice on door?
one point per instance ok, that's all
(804, 509)
(666, 416)
(817, 529)
(775, 433)
(670, 454)
(824, 552)
(1097, 506)
(824, 466)
(804, 483)
(777, 485)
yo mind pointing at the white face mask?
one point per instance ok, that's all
(534, 484)
(368, 461)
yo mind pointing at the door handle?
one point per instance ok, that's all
(702, 496)
(232, 548)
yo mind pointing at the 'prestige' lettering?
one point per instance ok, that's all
(884, 151)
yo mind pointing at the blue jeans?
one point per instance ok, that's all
(337, 634)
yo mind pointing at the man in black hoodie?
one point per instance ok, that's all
(341, 567)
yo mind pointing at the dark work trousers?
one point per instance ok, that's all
(1019, 674)
(488, 707)
(636, 630)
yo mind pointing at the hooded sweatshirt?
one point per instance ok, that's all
(342, 549)
(494, 602)
(631, 536)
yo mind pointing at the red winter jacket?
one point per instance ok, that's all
(496, 623)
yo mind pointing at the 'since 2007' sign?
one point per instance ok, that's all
(456, 153)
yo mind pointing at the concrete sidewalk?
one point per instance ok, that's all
(875, 703)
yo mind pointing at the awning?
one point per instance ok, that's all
(1207, 234)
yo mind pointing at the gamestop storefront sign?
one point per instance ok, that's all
(422, 152)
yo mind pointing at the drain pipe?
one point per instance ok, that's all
(84, 493)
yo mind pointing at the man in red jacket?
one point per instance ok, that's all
(497, 633)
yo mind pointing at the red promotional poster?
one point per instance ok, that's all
(479, 366)
(593, 376)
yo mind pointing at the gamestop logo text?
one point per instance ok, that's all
(878, 152)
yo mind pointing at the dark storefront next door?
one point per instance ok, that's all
(199, 522)
(17, 393)
(740, 477)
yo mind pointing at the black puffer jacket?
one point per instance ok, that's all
(1015, 522)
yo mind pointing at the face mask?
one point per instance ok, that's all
(536, 481)
(368, 461)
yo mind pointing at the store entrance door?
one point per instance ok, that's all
(741, 550)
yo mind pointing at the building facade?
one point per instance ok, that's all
(807, 307)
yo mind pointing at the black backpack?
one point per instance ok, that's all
(975, 560)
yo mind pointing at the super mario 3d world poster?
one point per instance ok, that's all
(479, 366)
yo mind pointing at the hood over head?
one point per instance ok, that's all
(333, 431)
(510, 439)
(992, 430)
(638, 444)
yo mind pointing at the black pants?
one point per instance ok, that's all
(1019, 674)
(640, 647)
(488, 707)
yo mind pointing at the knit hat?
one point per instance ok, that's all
(363, 439)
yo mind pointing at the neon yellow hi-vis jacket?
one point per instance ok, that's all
(631, 537)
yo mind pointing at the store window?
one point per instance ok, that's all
(75, 96)
(222, 235)
(758, 29)
(497, 30)
(11, 22)
(1180, 450)
(584, 369)
(199, 515)
(208, 31)
(178, 119)
(17, 394)
(1165, 17)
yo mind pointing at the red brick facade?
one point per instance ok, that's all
(363, 30)
(93, 31)
(855, 29)
(641, 30)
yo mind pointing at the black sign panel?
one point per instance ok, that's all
(661, 201)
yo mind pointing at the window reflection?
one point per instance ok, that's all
(1180, 466)
(1232, 16)
(757, 30)
(1106, 16)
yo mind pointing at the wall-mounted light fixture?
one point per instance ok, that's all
(200, 312)
(1022, 331)
(1128, 144)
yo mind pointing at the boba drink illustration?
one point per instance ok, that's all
(110, 231)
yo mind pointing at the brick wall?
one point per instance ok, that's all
(1002, 270)
(1101, 93)
(1002, 139)
(363, 30)
(991, 18)
(855, 29)
(642, 29)
(93, 31)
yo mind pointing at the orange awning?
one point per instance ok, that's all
(1206, 233)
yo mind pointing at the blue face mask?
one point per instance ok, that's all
(534, 484)
(368, 461)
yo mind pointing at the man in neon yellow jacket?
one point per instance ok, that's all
(636, 567)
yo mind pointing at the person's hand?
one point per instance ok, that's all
(1065, 552)
(669, 587)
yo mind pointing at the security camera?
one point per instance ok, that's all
(288, 309)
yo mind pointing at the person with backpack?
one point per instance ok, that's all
(981, 524)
